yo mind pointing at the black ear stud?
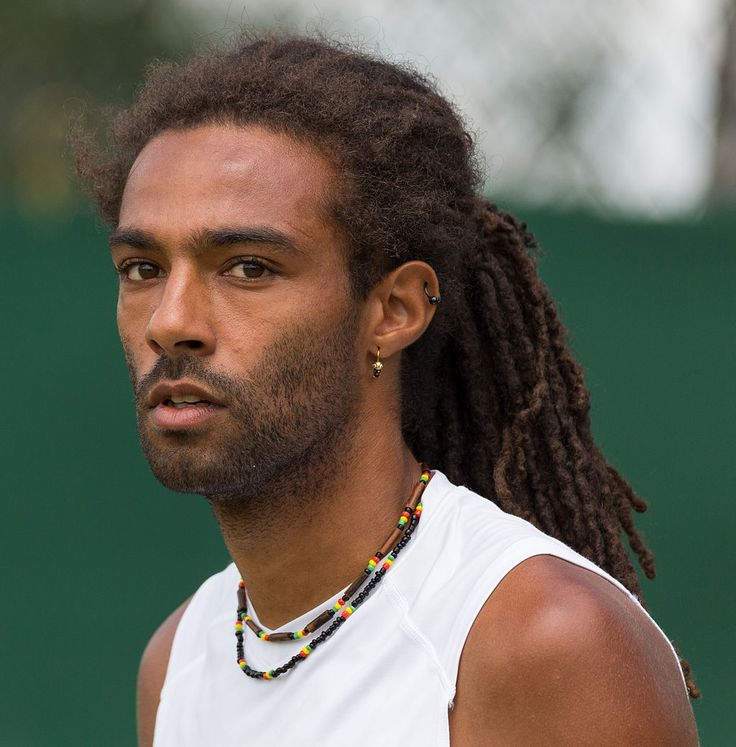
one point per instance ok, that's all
(434, 300)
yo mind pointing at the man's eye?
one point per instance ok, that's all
(140, 271)
(248, 269)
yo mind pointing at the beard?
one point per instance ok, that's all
(290, 419)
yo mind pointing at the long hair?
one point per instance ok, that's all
(491, 394)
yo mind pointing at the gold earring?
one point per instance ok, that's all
(377, 366)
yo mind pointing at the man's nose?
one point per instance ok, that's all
(181, 322)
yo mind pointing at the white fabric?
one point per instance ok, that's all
(387, 676)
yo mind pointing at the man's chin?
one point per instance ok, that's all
(181, 479)
(223, 478)
(184, 463)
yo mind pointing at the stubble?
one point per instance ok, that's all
(290, 420)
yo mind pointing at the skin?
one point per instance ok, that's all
(557, 655)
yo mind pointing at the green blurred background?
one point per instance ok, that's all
(95, 553)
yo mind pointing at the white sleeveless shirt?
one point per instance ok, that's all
(387, 676)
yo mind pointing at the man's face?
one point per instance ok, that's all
(234, 310)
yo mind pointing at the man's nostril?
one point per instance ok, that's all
(192, 344)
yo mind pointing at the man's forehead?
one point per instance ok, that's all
(225, 175)
(232, 152)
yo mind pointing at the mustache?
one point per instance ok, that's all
(171, 369)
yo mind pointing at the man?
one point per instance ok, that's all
(314, 300)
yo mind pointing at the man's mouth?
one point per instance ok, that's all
(181, 394)
(186, 401)
(183, 405)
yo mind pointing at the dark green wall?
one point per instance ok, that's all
(95, 553)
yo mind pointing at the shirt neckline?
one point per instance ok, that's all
(433, 491)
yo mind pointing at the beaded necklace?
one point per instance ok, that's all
(369, 578)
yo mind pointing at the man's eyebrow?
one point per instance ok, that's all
(249, 235)
(208, 237)
(132, 237)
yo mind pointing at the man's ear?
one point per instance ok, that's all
(401, 306)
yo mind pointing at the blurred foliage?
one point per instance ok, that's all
(60, 59)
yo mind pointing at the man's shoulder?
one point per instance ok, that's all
(547, 605)
(558, 651)
(152, 673)
(215, 595)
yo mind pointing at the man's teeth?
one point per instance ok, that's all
(185, 400)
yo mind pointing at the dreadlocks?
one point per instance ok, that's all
(491, 394)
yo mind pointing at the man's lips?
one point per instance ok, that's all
(181, 405)
(181, 393)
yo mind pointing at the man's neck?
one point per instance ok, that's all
(296, 558)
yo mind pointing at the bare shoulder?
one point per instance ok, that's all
(559, 655)
(152, 673)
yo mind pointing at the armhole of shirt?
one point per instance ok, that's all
(486, 584)
(186, 634)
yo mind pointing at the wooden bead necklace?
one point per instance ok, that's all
(369, 579)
